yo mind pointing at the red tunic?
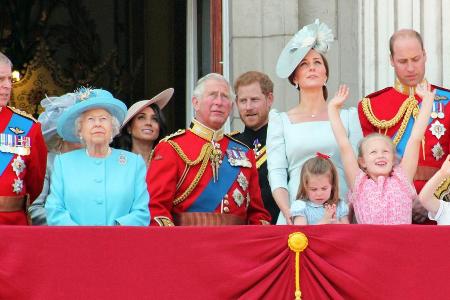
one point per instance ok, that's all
(167, 168)
(385, 105)
(33, 174)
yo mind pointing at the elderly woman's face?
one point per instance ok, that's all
(311, 71)
(96, 127)
(144, 126)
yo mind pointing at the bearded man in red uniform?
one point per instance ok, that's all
(23, 155)
(200, 176)
(392, 110)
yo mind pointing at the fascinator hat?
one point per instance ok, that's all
(87, 99)
(54, 108)
(317, 36)
(161, 100)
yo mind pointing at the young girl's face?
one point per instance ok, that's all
(377, 158)
(319, 188)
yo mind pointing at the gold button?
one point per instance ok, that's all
(226, 202)
(226, 210)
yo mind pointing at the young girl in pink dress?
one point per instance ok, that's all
(381, 191)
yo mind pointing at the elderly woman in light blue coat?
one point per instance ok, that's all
(96, 185)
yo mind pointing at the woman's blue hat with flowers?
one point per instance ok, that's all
(87, 99)
(317, 36)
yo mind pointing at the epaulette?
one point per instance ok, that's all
(234, 132)
(170, 136)
(378, 92)
(22, 113)
(236, 140)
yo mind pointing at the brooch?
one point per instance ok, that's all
(18, 165)
(122, 159)
(17, 185)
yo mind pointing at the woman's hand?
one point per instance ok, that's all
(340, 97)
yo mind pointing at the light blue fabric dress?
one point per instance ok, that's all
(314, 212)
(98, 191)
(290, 145)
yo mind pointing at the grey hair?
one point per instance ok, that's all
(200, 86)
(5, 60)
(115, 126)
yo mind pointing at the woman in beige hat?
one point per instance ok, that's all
(144, 125)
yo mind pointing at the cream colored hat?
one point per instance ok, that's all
(161, 100)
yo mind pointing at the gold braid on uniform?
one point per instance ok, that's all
(409, 108)
(203, 157)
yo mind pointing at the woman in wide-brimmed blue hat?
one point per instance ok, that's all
(96, 185)
(298, 134)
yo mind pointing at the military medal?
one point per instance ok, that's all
(256, 146)
(216, 160)
(242, 180)
(437, 129)
(437, 151)
(237, 157)
(441, 114)
(434, 114)
(19, 145)
(238, 197)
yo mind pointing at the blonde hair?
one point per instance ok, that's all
(319, 166)
(375, 135)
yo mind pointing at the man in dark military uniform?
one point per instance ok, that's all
(200, 176)
(23, 155)
(392, 110)
(254, 98)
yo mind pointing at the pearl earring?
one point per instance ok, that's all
(296, 85)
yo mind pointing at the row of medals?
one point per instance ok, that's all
(437, 128)
(19, 145)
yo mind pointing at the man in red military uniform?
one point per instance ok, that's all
(200, 176)
(392, 110)
(23, 155)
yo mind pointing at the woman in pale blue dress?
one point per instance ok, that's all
(297, 135)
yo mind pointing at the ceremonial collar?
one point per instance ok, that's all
(406, 90)
(205, 132)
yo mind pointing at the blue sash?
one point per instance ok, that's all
(214, 192)
(401, 146)
(16, 121)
